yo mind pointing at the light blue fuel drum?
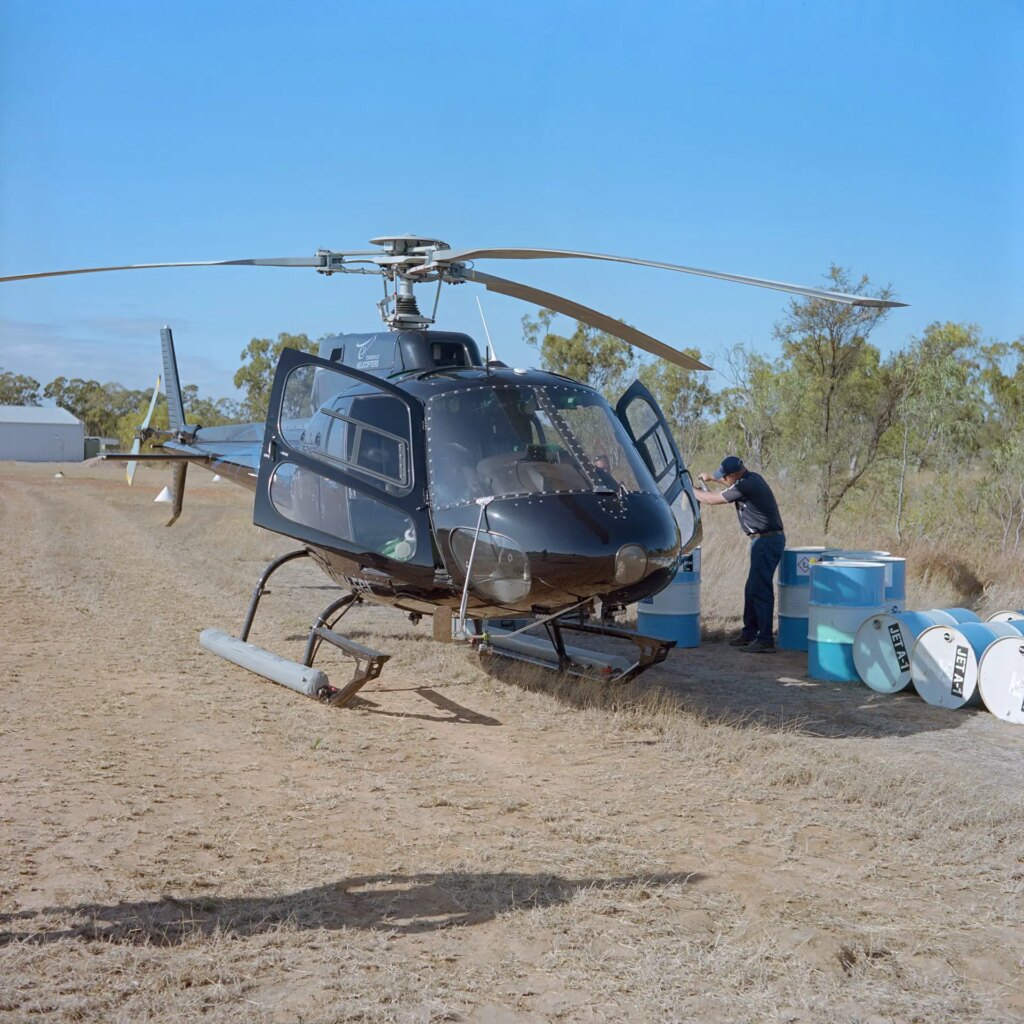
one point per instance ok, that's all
(962, 614)
(794, 590)
(1001, 674)
(945, 661)
(842, 595)
(849, 554)
(883, 645)
(940, 615)
(895, 582)
(674, 613)
(1007, 616)
(895, 573)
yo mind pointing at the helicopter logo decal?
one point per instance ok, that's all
(362, 362)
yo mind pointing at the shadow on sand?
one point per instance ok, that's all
(452, 713)
(398, 904)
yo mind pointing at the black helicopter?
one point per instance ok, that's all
(418, 474)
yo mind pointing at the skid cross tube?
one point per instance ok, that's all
(368, 662)
(324, 620)
(558, 642)
(261, 588)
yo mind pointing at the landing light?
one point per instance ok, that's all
(630, 563)
(500, 570)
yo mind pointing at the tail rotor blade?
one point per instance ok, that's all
(130, 467)
(129, 471)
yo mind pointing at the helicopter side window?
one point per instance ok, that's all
(650, 433)
(364, 430)
(351, 516)
(360, 447)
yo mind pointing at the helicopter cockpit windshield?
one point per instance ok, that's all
(511, 440)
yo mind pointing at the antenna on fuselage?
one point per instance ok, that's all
(490, 353)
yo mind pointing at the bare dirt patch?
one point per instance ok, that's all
(725, 841)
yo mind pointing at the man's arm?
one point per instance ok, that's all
(706, 497)
(710, 497)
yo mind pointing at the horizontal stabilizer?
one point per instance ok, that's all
(153, 457)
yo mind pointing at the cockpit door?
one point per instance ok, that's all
(342, 464)
(649, 431)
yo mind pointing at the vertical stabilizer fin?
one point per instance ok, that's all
(172, 386)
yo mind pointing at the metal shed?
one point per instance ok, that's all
(32, 433)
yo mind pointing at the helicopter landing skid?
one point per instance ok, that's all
(552, 652)
(300, 676)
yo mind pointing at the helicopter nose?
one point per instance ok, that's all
(584, 545)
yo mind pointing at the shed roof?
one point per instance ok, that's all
(36, 414)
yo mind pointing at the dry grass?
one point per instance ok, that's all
(180, 841)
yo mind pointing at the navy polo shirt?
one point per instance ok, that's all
(755, 503)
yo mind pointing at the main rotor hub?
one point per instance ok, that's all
(406, 245)
(398, 309)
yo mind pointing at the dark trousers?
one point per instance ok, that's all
(759, 594)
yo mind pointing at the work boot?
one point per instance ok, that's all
(739, 640)
(759, 647)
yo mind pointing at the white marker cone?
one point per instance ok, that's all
(216, 477)
(164, 497)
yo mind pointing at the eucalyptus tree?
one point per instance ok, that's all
(686, 397)
(846, 393)
(939, 403)
(18, 389)
(256, 374)
(588, 355)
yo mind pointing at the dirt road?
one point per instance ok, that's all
(732, 842)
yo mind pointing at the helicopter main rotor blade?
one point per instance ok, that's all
(459, 255)
(586, 315)
(281, 261)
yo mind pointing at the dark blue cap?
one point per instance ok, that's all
(730, 464)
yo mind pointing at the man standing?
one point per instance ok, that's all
(758, 513)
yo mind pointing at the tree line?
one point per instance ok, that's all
(112, 410)
(929, 439)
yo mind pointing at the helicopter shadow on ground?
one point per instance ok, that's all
(397, 904)
(721, 684)
(456, 714)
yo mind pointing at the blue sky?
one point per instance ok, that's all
(760, 138)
